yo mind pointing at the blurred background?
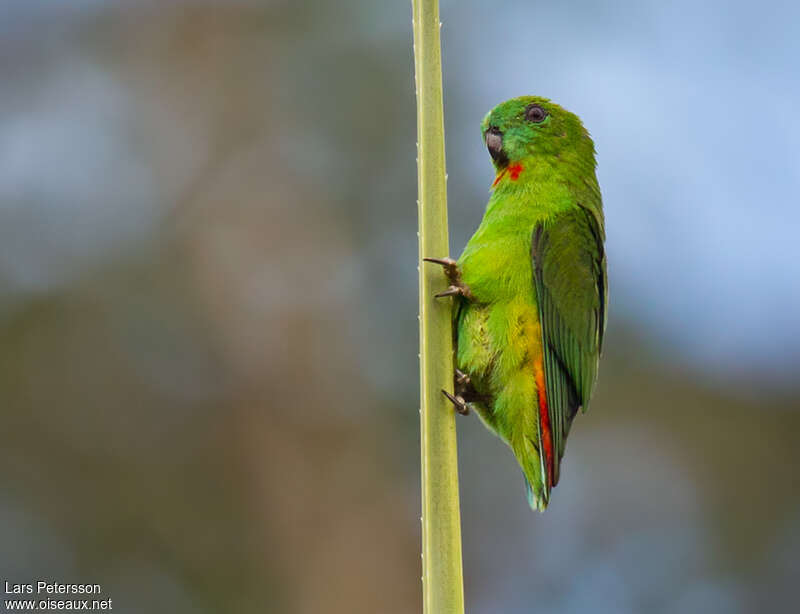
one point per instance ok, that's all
(208, 305)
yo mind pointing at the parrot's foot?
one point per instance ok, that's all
(462, 385)
(459, 402)
(465, 393)
(457, 287)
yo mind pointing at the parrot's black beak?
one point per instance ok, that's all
(494, 143)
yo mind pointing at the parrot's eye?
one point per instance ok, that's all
(534, 113)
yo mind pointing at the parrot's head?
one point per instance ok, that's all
(531, 128)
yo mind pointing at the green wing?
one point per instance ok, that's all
(569, 271)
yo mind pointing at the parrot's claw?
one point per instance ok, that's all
(452, 291)
(462, 378)
(453, 273)
(459, 402)
(449, 264)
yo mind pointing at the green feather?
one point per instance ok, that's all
(569, 274)
(537, 273)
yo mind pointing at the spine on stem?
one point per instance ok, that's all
(442, 580)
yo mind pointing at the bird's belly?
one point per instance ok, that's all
(497, 346)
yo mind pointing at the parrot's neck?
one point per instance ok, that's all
(526, 192)
(526, 175)
(512, 171)
(527, 170)
(542, 182)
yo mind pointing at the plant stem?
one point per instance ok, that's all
(442, 581)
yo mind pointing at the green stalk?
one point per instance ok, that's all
(442, 581)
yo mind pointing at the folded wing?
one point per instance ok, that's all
(569, 271)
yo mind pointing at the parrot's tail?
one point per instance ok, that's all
(536, 502)
(533, 470)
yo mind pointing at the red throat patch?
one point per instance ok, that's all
(544, 420)
(512, 171)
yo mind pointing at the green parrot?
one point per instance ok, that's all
(531, 288)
